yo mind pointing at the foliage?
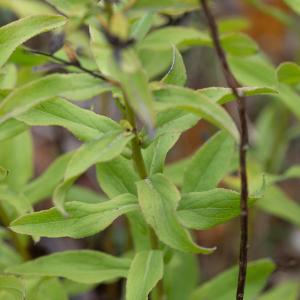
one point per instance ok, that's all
(128, 52)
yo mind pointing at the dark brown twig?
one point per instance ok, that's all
(71, 64)
(241, 101)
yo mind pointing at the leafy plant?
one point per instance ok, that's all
(126, 51)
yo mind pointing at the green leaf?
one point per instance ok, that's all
(18, 163)
(288, 73)
(191, 101)
(204, 210)
(84, 124)
(223, 286)
(225, 95)
(71, 7)
(155, 154)
(287, 290)
(82, 194)
(177, 72)
(181, 276)
(43, 89)
(293, 4)
(15, 200)
(158, 199)
(277, 203)
(8, 256)
(103, 149)
(13, 286)
(145, 271)
(43, 186)
(83, 219)
(47, 289)
(82, 266)
(142, 26)
(117, 177)
(175, 171)
(3, 173)
(210, 164)
(11, 128)
(18, 32)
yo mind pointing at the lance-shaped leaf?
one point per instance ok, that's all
(210, 164)
(145, 271)
(11, 128)
(142, 26)
(16, 33)
(103, 149)
(158, 199)
(82, 266)
(288, 290)
(43, 186)
(223, 286)
(203, 210)
(43, 89)
(177, 72)
(12, 287)
(191, 101)
(83, 123)
(83, 219)
(179, 6)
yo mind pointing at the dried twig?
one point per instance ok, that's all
(241, 101)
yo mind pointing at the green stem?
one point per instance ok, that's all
(15, 238)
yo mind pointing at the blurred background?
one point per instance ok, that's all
(277, 31)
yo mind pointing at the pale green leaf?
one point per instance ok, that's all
(294, 4)
(181, 276)
(288, 73)
(84, 124)
(18, 163)
(288, 290)
(83, 219)
(8, 256)
(82, 194)
(11, 128)
(16, 33)
(13, 286)
(142, 26)
(210, 164)
(155, 154)
(103, 149)
(158, 199)
(3, 173)
(177, 72)
(82, 266)
(223, 286)
(145, 271)
(43, 89)
(204, 210)
(277, 203)
(71, 7)
(191, 101)
(43, 186)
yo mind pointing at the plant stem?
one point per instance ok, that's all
(14, 236)
(241, 102)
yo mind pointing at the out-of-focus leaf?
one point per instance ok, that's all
(13, 287)
(16, 33)
(142, 26)
(3, 173)
(8, 77)
(83, 123)
(150, 265)
(71, 7)
(288, 73)
(83, 219)
(82, 266)
(277, 203)
(288, 290)
(11, 128)
(203, 210)
(191, 101)
(181, 276)
(8, 256)
(43, 89)
(210, 164)
(177, 72)
(18, 163)
(223, 286)
(294, 4)
(158, 199)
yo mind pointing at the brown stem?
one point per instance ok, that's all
(241, 102)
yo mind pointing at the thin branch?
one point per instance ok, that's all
(241, 102)
(73, 64)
